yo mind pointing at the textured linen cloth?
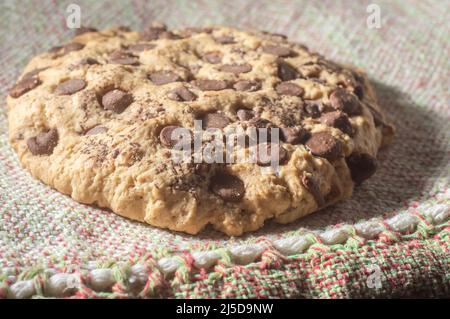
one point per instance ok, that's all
(390, 240)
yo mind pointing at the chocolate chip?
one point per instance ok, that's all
(245, 115)
(210, 85)
(70, 87)
(277, 50)
(230, 188)
(236, 68)
(139, 47)
(157, 31)
(358, 90)
(84, 61)
(358, 77)
(313, 108)
(323, 144)
(96, 130)
(188, 32)
(294, 135)
(245, 85)
(240, 51)
(377, 117)
(124, 28)
(287, 88)
(153, 33)
(23, 86)
(215, 120)
(88, 61)
(225, 39)
(74, 46)
(308, 63)
(82, 30)
(264, 154)
(181, 94)
(55, 49)
(260, 123)
(213, 57)
(164, 77)
(43, 143)
(286, 72)
(169, 35)
(165, 136)
(346, 102)
(311, 185)
(361, 166)
(338, 120)
(202, 169)
(116, 100)
(123, 58)
(332, 66)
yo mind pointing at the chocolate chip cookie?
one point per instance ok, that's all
(94, 119)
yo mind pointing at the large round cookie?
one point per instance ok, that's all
(90, 118)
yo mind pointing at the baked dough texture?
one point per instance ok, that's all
(89, 119)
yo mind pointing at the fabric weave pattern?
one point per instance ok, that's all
(398, 221)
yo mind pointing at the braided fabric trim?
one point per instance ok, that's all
(169, 274)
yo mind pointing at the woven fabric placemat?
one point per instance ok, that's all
(390, 240)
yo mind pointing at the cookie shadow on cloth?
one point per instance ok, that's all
(408, 169)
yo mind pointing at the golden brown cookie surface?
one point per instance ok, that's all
(93, 119)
